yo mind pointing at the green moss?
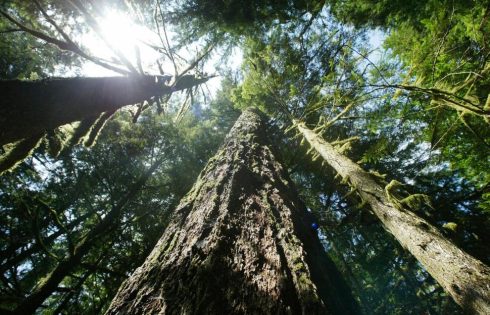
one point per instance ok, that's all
(345, 180)
(415, 201)
(82, 130)
(96, 128)
(451, 226)
(361, 205)
(390, 193)
(343, 149)
(171, 244)
(17, 152)
(378, 175)
(299, 266)
(196, 188)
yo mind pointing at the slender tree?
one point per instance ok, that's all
(465, 278)
(240, 242)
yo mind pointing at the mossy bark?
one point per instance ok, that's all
(462, 276)
(29, 108)
(240, 243)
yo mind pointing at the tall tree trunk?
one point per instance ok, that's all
(465, 278)
(240, 243)
(30, 108)
(47, 286)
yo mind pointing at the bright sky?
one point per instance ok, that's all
(376, 38)
(124, 34)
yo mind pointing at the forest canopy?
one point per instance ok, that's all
(114, 116)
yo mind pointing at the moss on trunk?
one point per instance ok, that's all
(240, 243)
(465, 278)
(29, 108)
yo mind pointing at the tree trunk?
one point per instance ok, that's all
(30, 108)
(465, 278)
(240, 243)
(50, 283)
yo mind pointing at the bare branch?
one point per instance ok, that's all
(61, 44)
(53, 23)
(98, 30)
(166, 43)
(198, 59)
(68, 45)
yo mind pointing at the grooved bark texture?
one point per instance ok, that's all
(465, 278)
(240, 243)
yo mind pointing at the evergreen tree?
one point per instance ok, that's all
(464, 277)
(50, 218)
(240, 242)
(414, 113)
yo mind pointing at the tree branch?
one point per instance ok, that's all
(68, 45)
(98, 30)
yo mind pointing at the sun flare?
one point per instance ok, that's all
(120, 34)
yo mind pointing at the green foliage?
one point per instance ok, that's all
(418, 113)
(67, 198)
(26, 57)
(442, 45)
(394, 133)
(237, 17)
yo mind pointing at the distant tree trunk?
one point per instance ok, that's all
(64, 268)
(241, 242)
(465, 278)
(30, 108)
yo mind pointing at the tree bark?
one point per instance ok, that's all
(47, 286)
(462, 276)
(240, 243)
(29, 108)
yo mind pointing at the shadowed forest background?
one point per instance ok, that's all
(110, 110)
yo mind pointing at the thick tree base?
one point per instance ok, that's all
(240, 243)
